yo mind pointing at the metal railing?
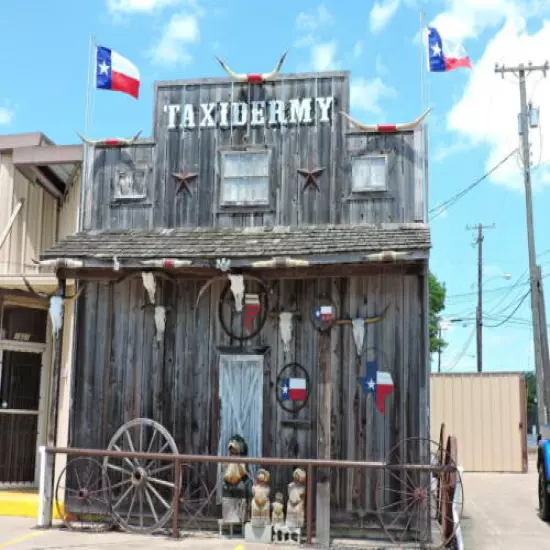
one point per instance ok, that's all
(47, 455)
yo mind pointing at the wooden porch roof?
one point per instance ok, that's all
(317, 244)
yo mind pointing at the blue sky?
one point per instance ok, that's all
(473, 125)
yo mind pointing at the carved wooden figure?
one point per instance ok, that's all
(296, 499)
(278, 514)
(235, 487)
(260, 499)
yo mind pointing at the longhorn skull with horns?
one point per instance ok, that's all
(45, 296)
(387, 128)
(254, 78)
(110, 142)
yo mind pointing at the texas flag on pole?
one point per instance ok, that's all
(116, 73)
(443, 55)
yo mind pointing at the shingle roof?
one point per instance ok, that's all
(253, 242)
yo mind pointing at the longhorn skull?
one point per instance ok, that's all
(254, 78)
(211, 281)
(387, 128)
(110, 142)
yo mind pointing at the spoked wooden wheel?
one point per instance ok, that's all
(410, 506)
(142, 490)
(83, 495)
(195, 497)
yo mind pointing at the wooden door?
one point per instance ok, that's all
(241, 401)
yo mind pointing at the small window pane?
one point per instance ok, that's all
(245, 178)
(369, 174)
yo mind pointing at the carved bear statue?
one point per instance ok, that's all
(278, 506)
(260, 499)
(296, 499)
(236, 483)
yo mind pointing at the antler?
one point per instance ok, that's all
(253, 77)
(110, 142)
(32, 291)
(387, 128)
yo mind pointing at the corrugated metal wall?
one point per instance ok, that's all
(487, 414)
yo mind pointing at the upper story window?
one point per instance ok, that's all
(245, 178)
(369, 173)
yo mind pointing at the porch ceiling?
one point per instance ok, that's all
(324, 244)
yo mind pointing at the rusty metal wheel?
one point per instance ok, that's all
(195, 497)
(83, 496)
(142, 490)
(409, 505)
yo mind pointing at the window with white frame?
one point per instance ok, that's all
(244, 178)
(369, 173)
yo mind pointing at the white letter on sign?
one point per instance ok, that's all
(277, 112)
(172, 111)
(208, 119)
(239, 114)
(257, 116)
(224, 115)
(188, 116)
(300, 111)
(325, 104)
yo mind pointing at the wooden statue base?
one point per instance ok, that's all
(287, 535)
(258, 533)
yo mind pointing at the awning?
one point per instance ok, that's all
(246, 247)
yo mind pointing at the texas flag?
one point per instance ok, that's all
(379, 383)
(116, 73)
(294, 389)
(443, 55)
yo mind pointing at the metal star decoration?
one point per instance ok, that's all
(184, 180)
(311, 174)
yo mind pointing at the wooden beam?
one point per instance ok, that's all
(48, 155)
(14, 214)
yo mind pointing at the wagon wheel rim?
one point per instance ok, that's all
(410, 492)
(142, 489)
(195, 496)
(83, 496)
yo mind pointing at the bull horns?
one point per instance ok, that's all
(110, 142)
(387, 128)
(255, 78)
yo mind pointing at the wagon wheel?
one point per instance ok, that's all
(195, 497)
(441, 462)
(142, 490)
(449, 482)
(407, 501)
(83, 495)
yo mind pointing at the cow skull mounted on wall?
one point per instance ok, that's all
(110, 142)
(387, 128)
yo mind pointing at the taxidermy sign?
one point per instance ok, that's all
(307, 110)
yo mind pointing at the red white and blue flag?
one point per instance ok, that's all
(444, 55)
(294, 389)
(379, 383)
(116, 73)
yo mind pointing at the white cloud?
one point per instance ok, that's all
(366, 95)
(309, 23)
(6, 116)
(486, 114)
(358, 49)
(323, 56)
(138, 6)
(179, 32)
(382, 13)
(314, 19)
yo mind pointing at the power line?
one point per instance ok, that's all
(440, 208)
(511, 314)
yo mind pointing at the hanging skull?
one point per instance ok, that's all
(237, 288)
(56, 314)
(358, 327)
(160, 321)
(150, 285)
(285, 326)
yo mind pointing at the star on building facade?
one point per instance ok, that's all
(311, 174)
(184, 180)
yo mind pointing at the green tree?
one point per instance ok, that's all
(437, 305)
(531, 387)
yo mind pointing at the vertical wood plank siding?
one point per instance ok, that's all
(121, 372)
(326, 145)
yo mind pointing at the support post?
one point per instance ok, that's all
(322, 516)
(45, 490)
(521, 71)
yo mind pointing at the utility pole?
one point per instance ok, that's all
(527, 117)
(479, 308)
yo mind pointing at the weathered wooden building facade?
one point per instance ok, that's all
(327, 225)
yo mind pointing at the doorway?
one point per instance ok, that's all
(20, 377)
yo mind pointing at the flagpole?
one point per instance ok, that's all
(89, 86)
